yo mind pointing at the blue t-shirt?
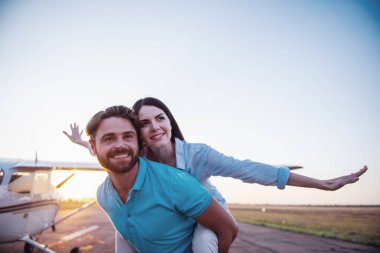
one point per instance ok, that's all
(158, 215)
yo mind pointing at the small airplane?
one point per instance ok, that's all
(29, 202)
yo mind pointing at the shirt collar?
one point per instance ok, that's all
(141, 174)
(180, 154)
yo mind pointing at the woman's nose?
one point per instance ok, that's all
(155, 126)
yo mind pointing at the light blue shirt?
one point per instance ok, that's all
(158, 215)
(202, 162)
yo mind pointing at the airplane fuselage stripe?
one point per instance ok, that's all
(28, 205)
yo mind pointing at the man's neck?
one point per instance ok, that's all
(123, 182)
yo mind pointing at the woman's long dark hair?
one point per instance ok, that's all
(150, 101)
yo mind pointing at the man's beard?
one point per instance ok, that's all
(122, 167)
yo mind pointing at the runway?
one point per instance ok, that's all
(91, 231)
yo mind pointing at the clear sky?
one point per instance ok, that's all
(279, 82)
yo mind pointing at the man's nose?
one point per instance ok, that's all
(120, 142)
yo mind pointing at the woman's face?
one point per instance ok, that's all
(155, 127)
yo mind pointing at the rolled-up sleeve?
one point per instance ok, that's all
(218, 164)
(282, 177)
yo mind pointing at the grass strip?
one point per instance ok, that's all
(359, 225)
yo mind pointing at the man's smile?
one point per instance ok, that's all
(121, 156)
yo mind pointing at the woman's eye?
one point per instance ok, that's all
(161, 118)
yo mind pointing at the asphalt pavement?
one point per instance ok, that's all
(91, 231)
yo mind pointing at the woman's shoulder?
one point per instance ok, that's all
(182, 144)
(191, 155)
(165, 172)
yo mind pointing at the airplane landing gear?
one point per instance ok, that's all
(75, 250)
(29, 248)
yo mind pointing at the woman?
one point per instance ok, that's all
(163, 142)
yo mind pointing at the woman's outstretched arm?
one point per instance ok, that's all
(76, 136)
(328, 185)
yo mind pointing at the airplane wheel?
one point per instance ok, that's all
(75, 250)
(29, 248)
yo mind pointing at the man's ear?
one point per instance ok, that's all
(93, 148)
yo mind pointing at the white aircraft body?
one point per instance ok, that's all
(28, 200)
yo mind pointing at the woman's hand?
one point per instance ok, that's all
(75, 136)
(328, 185)
(336, 183)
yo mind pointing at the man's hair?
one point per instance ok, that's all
(150, 101)
(118, 111)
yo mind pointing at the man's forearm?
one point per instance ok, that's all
(224, 242)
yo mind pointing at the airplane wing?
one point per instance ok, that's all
(291, 167)
(49, 165)
(294, 167)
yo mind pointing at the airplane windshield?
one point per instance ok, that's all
(34, 182)
(21, 182)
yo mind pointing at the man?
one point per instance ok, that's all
(152, 205)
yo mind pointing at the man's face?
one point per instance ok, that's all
(116, 145)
